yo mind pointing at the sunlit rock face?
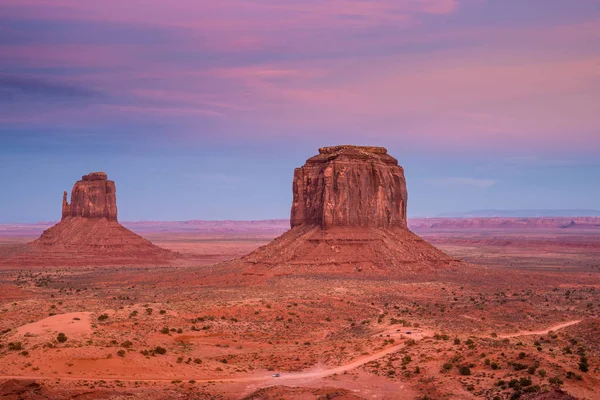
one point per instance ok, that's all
(353, 186)
(94, 196)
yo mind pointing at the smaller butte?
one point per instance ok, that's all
(89, 231)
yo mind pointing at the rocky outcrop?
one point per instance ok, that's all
(89, 232)
(94, 196)
(349, 216)
(350, 186)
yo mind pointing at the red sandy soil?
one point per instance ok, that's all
(529, 312)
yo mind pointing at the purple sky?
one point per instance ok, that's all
(201, 109)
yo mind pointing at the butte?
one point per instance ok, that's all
(89, 231)
(349, 216)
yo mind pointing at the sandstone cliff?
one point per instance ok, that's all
(94, 196)
(350, 186)
(89, 231)
(349, 216)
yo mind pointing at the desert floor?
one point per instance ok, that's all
(522, 322)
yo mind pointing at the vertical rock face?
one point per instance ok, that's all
(89, 233)
(355, 186)
(94, 196)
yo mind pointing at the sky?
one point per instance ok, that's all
(202, 109)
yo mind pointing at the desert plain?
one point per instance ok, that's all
(517, 318)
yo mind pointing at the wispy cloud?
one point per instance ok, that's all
(456, 181)
(45, 87)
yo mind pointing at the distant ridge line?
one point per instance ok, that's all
(524, 213)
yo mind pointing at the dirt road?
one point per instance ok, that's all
(285, 377)
(542, 332)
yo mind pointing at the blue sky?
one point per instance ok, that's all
(203, 110)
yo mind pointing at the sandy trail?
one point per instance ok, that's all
(542, 332)
(318, 373)
(290, 377)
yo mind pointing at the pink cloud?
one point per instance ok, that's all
(64, 55)
(226, 15)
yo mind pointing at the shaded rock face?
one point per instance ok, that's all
(94, 196)
(89, 233)
(352, 186)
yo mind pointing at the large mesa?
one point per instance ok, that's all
(350, 186)
(348, 215)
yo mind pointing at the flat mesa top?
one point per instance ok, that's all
(95, 176)
(345, 148)
(350, 152)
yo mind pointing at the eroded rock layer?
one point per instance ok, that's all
(350, 186)
(89, 231)
(349, 216)
(94, 196)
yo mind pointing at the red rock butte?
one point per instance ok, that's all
(89, 231)
(348, 215)
(350, 186)
(94, 196)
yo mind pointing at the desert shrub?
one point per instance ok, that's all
(531, 370)
(519, 366)
(149, 311)
(24, 353)
(447, 366)
(15, 346)
(103, 317)
(162, 312)
(525, 381)
(464, 370)
(121, 353)
(522, 355)
(542, 373)
(515, 384)
(573, 375)
(179, 330)
(583, 364)
(179, 360)
(532, 389)
(456, 341)
(197, 361)
(555, 381)
(494, 366)
(165, 330)
(127, 344)
(160, 350)
(61, 338)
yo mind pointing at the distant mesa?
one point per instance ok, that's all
(94, 196)
(89, 229)
(348, 215)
